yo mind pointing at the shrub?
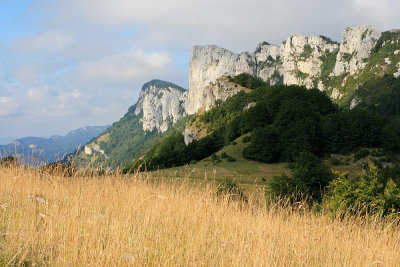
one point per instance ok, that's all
(232, 189)
(377, 153)
(9, 161)
(335, 161)
(230, 159)
(223, 155)
(248, 81)
(246, 139)
(308, 180)
(362, 153)
(215, 159)
(369, 193)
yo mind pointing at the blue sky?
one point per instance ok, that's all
(70, 63)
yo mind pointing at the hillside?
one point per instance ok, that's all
(228, 163)
(36, 149)
(159, 106)
(282, 121)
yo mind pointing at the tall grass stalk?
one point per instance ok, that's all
(52, 220)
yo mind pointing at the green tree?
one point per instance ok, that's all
(368, 193)
(309, 179)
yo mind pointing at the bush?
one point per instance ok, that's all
(308, 180)
(362, 153)
(369, 193)
(335, 161)
(223, 155)
(9, 161)
(246, 139)
(232, 189)
(248, 81)
(230, 159)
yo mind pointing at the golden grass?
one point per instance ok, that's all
(116, 220)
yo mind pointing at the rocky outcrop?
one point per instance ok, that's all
(297, 61)
(220, 90)
(160, 104)
(301, 58)
(356, 46)
(207, 64)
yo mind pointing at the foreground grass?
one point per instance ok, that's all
(140, 220)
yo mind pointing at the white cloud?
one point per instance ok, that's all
(66, 97)
(37, 95)
(129, 65)
(27, 73)
(49, 42)
(7, 107)
(4, 99)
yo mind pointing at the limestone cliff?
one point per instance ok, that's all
(207, 64)
(161, 104)
(314, 61)
(220, 90)
(355, 48)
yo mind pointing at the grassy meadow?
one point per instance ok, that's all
(249, 174)
(115, 220)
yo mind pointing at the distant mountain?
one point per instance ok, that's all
(36, 149)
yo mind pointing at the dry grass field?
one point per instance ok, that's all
(50, 220)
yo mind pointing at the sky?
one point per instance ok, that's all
(66, 64)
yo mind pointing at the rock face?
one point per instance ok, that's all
(161, 104)
(296, 61)
(207, 64)
(356, 46)
(300, 60)
(220, 90)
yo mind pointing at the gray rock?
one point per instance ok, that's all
(161, 104)
(357, 44)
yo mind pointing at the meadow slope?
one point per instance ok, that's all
(141, 220)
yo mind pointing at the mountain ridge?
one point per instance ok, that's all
(52, 148)
(348, 72)
(315, 62)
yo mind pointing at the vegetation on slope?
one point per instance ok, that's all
(375, 82)
(125, 140)
(284, 121)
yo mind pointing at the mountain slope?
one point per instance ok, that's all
(283, 121)
(53, 148)
(363, 69)
(160, 105)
